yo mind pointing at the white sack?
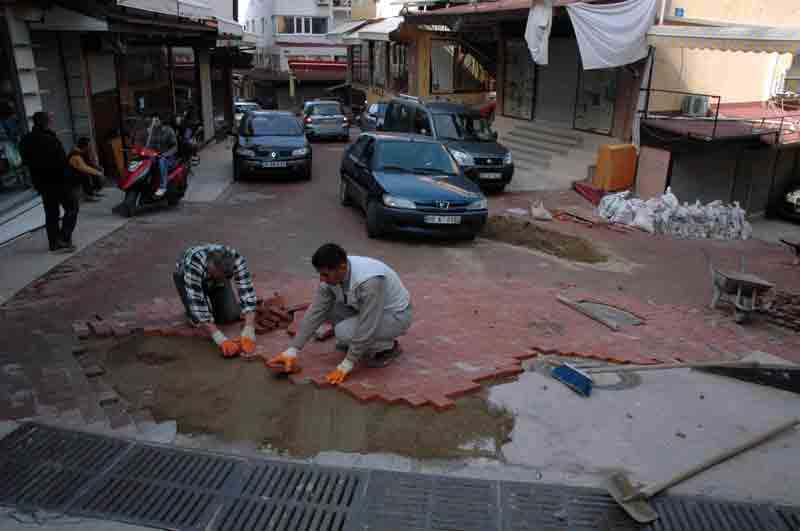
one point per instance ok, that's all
(537, 32)
(611, 35)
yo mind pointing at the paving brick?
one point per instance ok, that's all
(100, 328)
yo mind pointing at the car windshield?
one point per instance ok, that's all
(271, 125)
(415, 157)
(244, 107)
(463, 127)
(324, 109)
(378, 109)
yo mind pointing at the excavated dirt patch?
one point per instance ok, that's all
(186, 380)
(525, 233)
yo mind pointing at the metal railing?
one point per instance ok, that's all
(759, 125)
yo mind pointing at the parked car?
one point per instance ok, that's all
(325, 119)
(270, 142)
(372, 118)
(410, 183)
(467, 135)
(241, 107)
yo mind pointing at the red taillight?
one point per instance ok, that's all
(308, 119)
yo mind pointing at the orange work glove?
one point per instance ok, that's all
(286, 359)
(340, 374)
(229, 347)
(248, 340)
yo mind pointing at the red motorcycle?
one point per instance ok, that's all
(141, 182)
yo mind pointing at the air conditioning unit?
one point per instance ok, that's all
(695, 105)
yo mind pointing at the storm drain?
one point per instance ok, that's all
(281, 496)
(44, 468)
(170, 488)
(165, 488)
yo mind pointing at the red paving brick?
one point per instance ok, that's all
(469, 330)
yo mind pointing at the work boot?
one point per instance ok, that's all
(385, 357)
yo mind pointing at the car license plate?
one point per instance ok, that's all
(443, 220)
(492, 176)
(273, 164)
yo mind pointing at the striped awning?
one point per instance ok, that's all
(728, 38)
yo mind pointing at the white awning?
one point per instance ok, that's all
(728, 38)
(378, 31)
(181, 8)
(227, 28)
(345, 28)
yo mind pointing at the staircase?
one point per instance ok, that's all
(548, 157)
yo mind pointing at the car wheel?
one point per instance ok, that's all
(374, 226)
(130, 203)
(307, 172)
(344, 192)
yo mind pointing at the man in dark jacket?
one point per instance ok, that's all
(46, 159)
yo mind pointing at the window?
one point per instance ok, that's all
(324, 109)
(398, 118)
(272, 125)
(398, 67)
(454, 68)
(420, 157)
(361, 63)
(379, 64)
(263, 26)
(301, 25)
(463, 127)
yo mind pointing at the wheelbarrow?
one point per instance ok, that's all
(741, 289)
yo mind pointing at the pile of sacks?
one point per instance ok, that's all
(665, 215)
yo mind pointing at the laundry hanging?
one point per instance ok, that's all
(611, 35)
(537, 31)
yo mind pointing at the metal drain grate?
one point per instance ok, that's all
(292, 497)
(529, 507)
(678, 514)
(411, 502)
(161, 487)
(44, 467)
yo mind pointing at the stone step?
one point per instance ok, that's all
(545, 138)
(519, 147)
(554, 131)
(528, 160)
(539, 144)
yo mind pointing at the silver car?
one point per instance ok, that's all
(325, 119)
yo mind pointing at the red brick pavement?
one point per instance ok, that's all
(467, 330)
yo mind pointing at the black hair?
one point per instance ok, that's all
(329, 256)
(41, 119)
(82, 142)
(223, 260)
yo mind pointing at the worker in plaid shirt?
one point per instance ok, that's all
(203, 279)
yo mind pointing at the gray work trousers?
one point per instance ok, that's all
(392, 326)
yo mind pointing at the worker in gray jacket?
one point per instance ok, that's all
(368, 305)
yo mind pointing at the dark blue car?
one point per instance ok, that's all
(410, 183)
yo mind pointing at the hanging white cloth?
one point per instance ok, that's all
(537, 32)
(611, 35)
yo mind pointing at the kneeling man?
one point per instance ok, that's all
(367, 303)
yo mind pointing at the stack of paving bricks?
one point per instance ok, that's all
(785, 311)
(274, 314)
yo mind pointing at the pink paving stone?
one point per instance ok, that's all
(467, 322)
(81, 330)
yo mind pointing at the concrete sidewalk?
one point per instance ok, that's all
(25, 257)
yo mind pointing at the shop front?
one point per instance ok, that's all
(14, 182)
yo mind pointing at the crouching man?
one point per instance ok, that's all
(203, 278)
(368, 305)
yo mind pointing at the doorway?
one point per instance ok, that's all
(519, 83)
(597, 94)
(556, 83)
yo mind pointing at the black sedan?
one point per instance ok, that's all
(410, 183)
(271, 142)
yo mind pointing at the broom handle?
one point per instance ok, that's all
(664, 366)
(652, 490)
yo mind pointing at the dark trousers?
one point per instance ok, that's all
(222, 301)
(60, 230)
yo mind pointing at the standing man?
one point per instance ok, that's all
(203, 279)
(162, 138)
(46, 159)
(367, 303)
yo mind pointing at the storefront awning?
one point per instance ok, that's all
(228, 29)
(379, 31)
(347, 27)
(728, 38)
(180, 8)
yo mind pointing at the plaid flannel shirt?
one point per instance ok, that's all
(193, 267)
